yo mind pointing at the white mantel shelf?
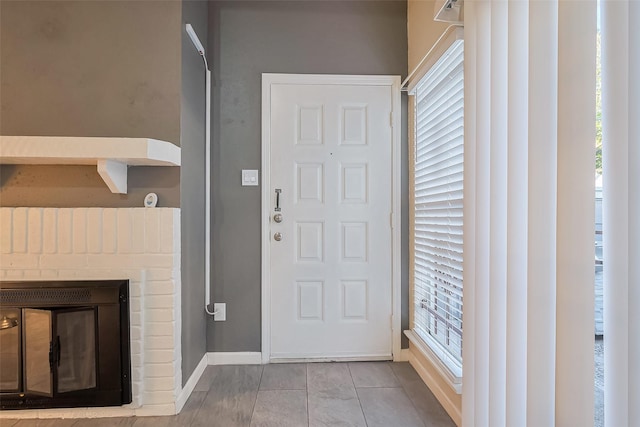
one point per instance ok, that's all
(112, 156)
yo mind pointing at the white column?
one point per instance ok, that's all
(576, 199)
(621, 210)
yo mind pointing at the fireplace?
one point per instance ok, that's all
(64, 344)
(138, 244)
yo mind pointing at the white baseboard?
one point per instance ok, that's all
(444, 397)
(403, 356)
(191, 384)
(234, 358)
(417, 344)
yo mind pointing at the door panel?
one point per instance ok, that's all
(310, 300)
(310, 183)
(310, 242)
(331, 285)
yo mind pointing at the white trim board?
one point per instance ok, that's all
(403, 356)
(191, 383)
(214, 358)
(234, 358)
(329, 359)
(441, 395)
(445, 373)
(314, 79)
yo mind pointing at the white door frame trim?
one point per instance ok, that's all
(313, 79)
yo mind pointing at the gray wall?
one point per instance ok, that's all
(111, 68)
(250, 38)
(192, 194)
(98, 68)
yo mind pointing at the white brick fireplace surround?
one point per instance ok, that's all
(139, 244)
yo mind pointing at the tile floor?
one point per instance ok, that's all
(367, 394)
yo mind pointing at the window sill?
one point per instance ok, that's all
(454, 381)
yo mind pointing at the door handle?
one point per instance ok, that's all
(278, 191)
(58, 350)
(54, 353)
(277, 237)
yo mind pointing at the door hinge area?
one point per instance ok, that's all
(391, 119)
(392, 219)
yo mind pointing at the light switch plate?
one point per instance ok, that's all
(249, 177)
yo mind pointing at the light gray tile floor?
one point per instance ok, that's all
(286, 408)
(385, 407)
(284, 377)
(359, 394)
(372, 374)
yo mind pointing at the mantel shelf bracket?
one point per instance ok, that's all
(114, 174)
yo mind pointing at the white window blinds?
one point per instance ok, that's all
(438, 185)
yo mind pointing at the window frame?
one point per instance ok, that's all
(450, 369)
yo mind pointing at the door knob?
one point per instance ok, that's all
(277, 237)
(277, 217)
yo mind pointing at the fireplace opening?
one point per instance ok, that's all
(64, 344)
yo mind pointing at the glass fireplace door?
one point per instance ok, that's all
(76, 331)
(39, 352)
(59, 350)
(10, 359)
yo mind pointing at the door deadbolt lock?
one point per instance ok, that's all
(277, 237)
(277, 218)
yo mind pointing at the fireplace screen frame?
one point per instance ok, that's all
(109, 301)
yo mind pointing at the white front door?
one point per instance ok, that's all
(330, 181)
